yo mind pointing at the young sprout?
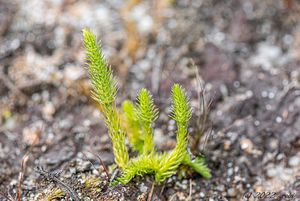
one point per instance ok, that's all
(104, 92)
(138, 123)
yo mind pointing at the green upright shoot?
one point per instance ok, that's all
(104, 92)
(147, 113)
(138, 124)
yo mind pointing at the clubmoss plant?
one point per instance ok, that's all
(55, 194)
(137, 123)
(92, 184)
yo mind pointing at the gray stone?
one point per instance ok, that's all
(294, 161)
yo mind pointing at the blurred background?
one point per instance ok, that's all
(246, 53)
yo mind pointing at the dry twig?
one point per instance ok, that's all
(203, 107)
(52, 177)
(151, 192)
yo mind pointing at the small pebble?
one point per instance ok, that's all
(104, 138)
(231, 192)
(247, 145)
(84, 166)
(31, 135)
(227, 145)
(273, 144)
(48, 110)
(271, 172)
(73, 73)
(181, 185)
(72, 170)
(278, 119)
(230, 171)
(294, 161)
(221, 188)
(143, 188)
(280, 156)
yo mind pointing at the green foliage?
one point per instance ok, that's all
(104, 92)
(103, 83)
(147, 114)
(92, 184)
(139, 166)
(181, 113)
(138, 123)
(198, 165)
(55, 194)
(132, 126)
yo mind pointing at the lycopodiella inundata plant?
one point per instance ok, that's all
(136, 122)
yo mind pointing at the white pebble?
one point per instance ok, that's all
(278, 119)
(294, 161)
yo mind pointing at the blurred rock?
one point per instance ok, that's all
(31, 135)
(267, 56)
(218, 67)
(143, 20)
(48, 110)
(6, 16)
(231, 192)
(294, 161)
(246, 145)
(72, 73)
(143, 188)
